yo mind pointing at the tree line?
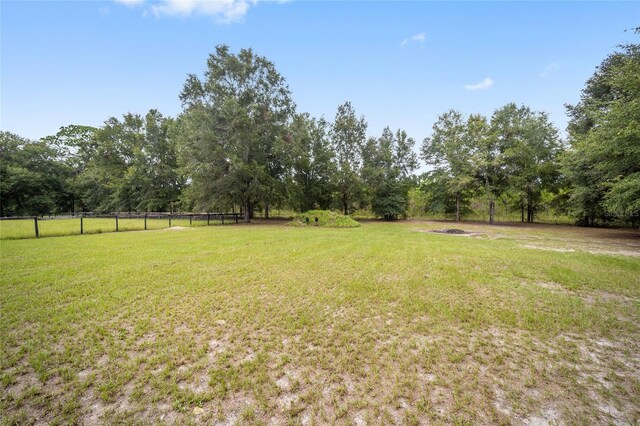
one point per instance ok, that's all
(513, 155)
(240, 145)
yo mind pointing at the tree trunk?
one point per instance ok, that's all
(492, 208)
(487, 188)
(266, 211)
(457, 207)
(247, 212)
(522, 211)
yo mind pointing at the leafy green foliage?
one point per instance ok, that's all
(437, 198)
(450, 150)
(76, 147)
(603, 164)
(348, 136)
(31, 178)
(390, 200)
(388, 165)
(312, 165)
(489, 159)
(529, 147)
(232, 132)
(127, 164)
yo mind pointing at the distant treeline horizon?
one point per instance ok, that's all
(239, 144)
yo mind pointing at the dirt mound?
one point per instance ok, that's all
(324, 218)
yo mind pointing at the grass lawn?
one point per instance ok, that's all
(25, 228)
(271, 324)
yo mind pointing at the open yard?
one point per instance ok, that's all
(270, 324)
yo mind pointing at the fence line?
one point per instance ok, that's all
(208, 217)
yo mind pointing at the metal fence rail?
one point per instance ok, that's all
(169, 217)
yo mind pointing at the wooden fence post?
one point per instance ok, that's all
(145, 222)
(35, 222)
(116, 223)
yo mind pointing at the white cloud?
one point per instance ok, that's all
(221, 10)
(416, 38)
(549, 69)
(483, 85)
(227, 10)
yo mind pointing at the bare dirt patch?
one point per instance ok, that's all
(549, 285)
(615, 252)
(619, 252)
(23, 383)
(549, 416)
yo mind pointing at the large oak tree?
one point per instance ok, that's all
(231, 132)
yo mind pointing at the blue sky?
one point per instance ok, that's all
(399, 63)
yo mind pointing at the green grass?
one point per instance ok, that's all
(275, 324)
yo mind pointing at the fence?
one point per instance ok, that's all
(18, 227)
